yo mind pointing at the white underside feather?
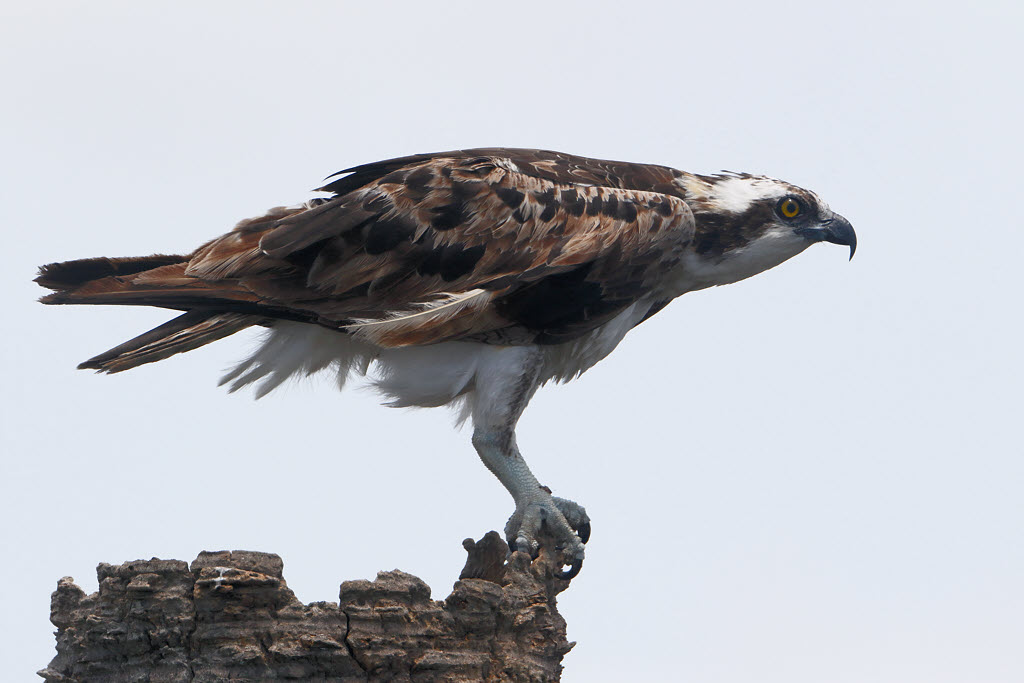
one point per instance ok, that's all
(445, 374)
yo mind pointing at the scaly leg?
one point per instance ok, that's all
(504, 386)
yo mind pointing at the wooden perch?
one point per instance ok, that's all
(230, 615)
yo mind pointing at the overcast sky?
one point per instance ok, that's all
(813, 475)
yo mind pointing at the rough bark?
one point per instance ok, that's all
(230, 615)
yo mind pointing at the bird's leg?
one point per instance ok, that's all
(502, 393)
(535, 506)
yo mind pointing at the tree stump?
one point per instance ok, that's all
(230, 615)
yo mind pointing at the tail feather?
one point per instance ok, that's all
(165, 286)
(70, 274)
(212, 311)
(186, 332)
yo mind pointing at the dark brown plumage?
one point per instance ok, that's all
(520, 246)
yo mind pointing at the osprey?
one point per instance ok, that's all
(465, 278)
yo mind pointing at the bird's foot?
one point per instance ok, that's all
(567, 522)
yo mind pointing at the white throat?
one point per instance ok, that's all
(767, 251)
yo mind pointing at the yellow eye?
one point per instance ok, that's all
(789, 208)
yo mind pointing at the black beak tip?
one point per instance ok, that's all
(839, 231)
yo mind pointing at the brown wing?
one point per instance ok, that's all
(558, 167)
(461, 245)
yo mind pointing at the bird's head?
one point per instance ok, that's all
(746, 224)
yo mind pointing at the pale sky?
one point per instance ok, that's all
(813, 475)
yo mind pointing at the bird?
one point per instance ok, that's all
(468, 279)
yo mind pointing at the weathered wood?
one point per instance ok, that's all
(231, 615)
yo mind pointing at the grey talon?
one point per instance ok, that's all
(574, 570)
(584, 532)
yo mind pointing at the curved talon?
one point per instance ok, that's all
(574, 569)
(557, 524)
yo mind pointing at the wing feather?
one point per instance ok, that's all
(459, 245)
(400, 328)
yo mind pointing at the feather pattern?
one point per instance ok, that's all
(516, 246)
(447, 314)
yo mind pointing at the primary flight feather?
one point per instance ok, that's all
(469, 276)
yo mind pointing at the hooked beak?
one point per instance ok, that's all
(839, 231)
(836, 230)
